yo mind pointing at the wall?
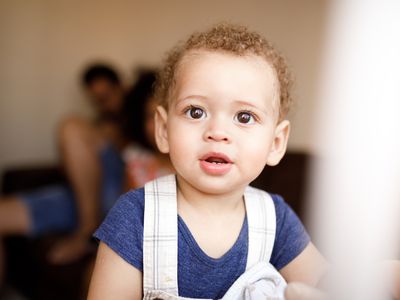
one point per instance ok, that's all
(45, 44)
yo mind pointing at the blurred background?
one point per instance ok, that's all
(46, 44)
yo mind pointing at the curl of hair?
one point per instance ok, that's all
(232, 39)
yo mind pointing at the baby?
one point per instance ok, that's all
(204, 233)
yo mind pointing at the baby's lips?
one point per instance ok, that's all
(216, 156)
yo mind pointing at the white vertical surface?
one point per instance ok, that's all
(356, 192)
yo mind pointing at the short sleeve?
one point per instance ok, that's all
(291, 237)
(122, 229)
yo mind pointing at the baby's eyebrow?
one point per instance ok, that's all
(189, 97)
(246, 103)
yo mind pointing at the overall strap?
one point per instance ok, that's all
(261, 219)
(160, 236)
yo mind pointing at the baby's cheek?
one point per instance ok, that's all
(257, 150)
(181, 151)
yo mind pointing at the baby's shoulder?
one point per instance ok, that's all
(126, 215)
(131, 202)
(278, 202)
(122, 229)
(290, 237)
(283, 212)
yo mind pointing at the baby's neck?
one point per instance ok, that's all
(214, 220)
(206, 203)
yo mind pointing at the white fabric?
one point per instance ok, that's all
(261, 221)
(158, 294)
(261, 281)
(160, 236)
(160, 246)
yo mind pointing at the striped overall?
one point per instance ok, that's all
(160, 246)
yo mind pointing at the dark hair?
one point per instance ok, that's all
(135, 108)
(99, 71)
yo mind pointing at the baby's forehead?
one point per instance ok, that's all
(211, 63)
(194, 55)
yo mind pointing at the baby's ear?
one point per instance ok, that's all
(279, 144)
(161, 133)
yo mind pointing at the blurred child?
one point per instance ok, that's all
(143, 160)
(204, 233)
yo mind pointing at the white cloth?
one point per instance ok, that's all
(160, 245)
(160, 236)
(262, 281)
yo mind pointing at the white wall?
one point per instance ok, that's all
(45, 44)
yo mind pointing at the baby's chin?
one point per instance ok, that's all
(217, 186)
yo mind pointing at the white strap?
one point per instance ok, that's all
(261, 219)
(160, 236)
(157, 295)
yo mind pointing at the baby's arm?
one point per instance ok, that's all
(308, 267)
(114, 278)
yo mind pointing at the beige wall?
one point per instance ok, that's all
(44, 45)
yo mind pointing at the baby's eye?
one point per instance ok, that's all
(245, 118)
(194, 112)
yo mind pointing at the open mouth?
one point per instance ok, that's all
(216, 158)
(215, 163)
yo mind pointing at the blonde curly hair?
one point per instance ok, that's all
(233, 39)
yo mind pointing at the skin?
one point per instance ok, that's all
(301, 291)
(223, 87)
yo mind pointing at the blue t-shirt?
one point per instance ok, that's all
(199, 276)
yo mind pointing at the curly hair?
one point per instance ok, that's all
(232, 39)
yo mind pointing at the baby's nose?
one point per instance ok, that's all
(217, 136)
(217, 132)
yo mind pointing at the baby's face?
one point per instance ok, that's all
(222, 127)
